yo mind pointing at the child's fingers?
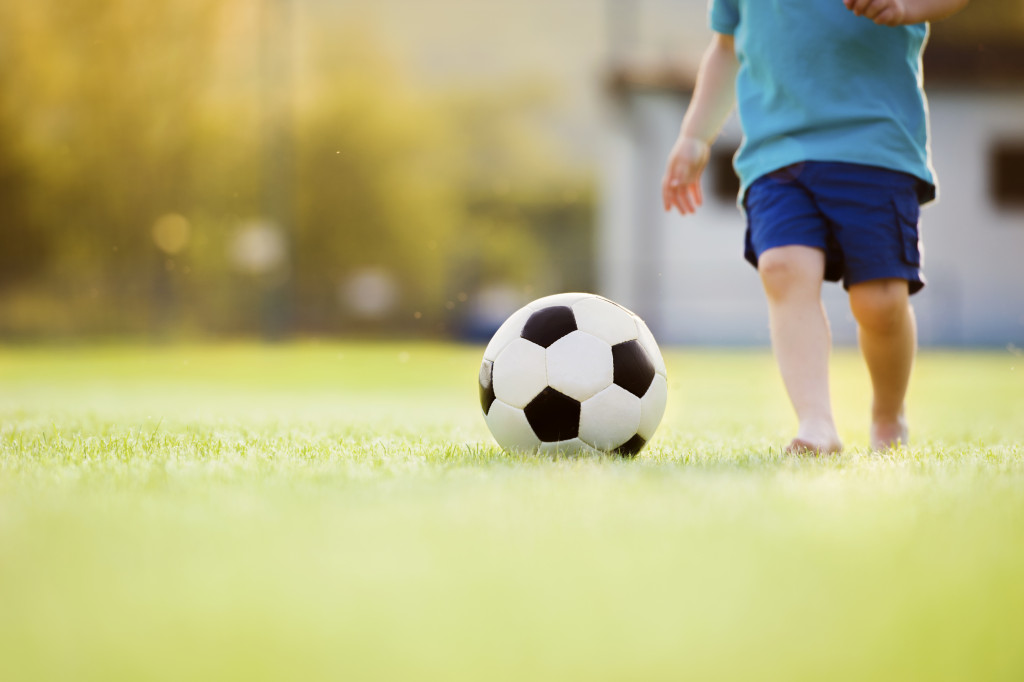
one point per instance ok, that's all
(670, 186)
(876, 7)
(668, 183)
(670, 200)
(854, 5)
(690, 197)
(667, 200)
(681, 201)
(890, 16)
(858, 7)
(691, 203)
(680, 186)
(669, 189)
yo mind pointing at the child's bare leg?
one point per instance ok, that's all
(888, 341)
(792, 278)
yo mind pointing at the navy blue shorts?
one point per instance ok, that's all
(863, 217)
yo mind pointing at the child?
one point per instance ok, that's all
(833, 168)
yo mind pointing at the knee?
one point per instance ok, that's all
(786, 270)
(880, 305)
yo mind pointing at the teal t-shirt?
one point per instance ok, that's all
(818, 83)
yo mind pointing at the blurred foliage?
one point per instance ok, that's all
(138, 140)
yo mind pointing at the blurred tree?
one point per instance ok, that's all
(131, 158)
(105, 94)
(530, 213)
(374, 190)
(23, 247)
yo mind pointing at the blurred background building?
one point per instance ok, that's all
(210, 168)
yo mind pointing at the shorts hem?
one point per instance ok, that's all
(913, 276)
(752, 255)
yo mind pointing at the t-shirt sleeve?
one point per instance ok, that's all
(723, 16)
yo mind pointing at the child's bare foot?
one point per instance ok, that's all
(887, 434)
(815, 439)
(799, 446)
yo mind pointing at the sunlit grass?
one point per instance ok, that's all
(338, 511)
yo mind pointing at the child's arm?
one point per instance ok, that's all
(713, 98)
(899, 12)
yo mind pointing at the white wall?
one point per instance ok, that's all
(974, 250)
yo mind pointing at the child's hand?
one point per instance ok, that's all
(882, 12)
(681, 185)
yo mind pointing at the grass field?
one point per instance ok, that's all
(338, 511)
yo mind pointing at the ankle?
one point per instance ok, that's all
(888, 415)
(887, 435)
(820, 431)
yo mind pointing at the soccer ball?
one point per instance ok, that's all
(570, 373)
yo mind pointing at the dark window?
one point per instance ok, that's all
(1007, 163)
(724, 183)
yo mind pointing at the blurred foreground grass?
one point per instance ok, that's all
(338, 511)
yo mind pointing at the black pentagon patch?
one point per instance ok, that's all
(634, 371)
(631, 447)
(553, 416)
(549, 324)
(486, 385)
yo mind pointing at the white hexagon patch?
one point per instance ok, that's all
(519, 373)
(610, 418)
(605, 320)
(510, 428)
(579, 365)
